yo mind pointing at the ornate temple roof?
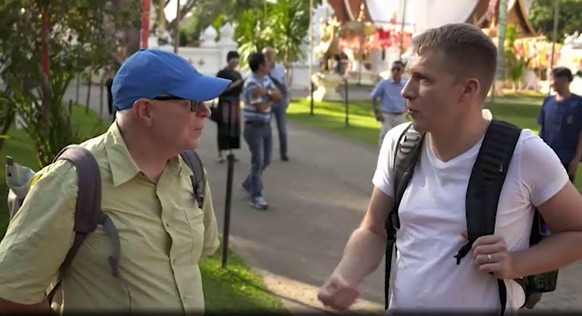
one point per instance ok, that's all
(353, 10)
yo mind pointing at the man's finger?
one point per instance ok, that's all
(491, 268)
(488, 249)
(486, 240)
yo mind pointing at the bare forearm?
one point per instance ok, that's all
(11, 307)
(362, 255)
(554, 252)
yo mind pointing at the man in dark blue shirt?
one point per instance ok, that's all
(560, 120)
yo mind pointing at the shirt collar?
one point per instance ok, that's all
(391, 80)
(123, 167)
(121, 164)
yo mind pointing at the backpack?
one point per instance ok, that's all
(485, 184)
(88, 212)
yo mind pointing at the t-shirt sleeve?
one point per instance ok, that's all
(39, 236)
(541, 170)
(377, 91)
(383, 176)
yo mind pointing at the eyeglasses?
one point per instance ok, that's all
(396, 69)
(195, 106)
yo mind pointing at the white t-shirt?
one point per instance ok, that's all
(432, 214)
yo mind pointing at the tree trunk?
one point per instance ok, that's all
(43, 151)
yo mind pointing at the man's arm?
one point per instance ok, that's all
(375, 95)
(38, 239)
(365, 248)
(560, 205)
(563, 214)
(367, 244)
(234, 84)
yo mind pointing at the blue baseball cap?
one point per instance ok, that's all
(149, 73)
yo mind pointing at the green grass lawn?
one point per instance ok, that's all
(363, 127)
(237, 288)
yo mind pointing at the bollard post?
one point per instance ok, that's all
(346, 102)
(311, 88)
(228, 199)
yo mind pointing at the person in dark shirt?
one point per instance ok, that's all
(228, 110)
(560, 120)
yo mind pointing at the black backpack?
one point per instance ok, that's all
(88, 213)
(485, 183)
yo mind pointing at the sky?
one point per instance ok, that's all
(170, 10)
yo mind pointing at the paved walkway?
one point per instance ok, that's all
(317, 199)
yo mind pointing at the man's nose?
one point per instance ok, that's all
(407, 92)
(204, 111)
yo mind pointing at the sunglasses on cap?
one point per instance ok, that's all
(195, 106)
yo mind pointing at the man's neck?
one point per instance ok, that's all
(150, 158)
(460, 137)
(563, 95)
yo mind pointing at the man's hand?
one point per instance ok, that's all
(573, 166)
(275, 95)
(379, 116)
(490, 255)
(337, 293)
(259, 91)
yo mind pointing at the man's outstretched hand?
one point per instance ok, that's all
(337, 293)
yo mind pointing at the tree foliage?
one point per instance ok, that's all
(281, 24)
(514, 64)
(541, 15)
(79, 37)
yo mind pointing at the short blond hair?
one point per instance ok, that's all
(467, 50)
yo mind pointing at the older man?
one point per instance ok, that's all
(279, 78)
(147, 193)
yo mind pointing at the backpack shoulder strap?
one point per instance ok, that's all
(88, 213)
(405, 157)
(484, 188)
(193, 161)
(486, 181)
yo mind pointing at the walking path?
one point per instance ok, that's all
(316, 199)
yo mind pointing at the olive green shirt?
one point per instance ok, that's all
(163, 235)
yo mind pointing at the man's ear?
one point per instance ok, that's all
(471, 89)
(142, 110)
